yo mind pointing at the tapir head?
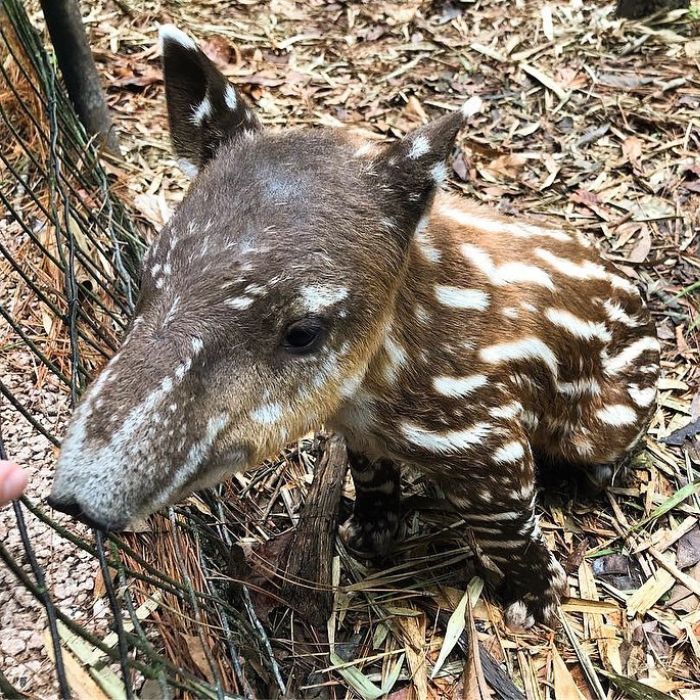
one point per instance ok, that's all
(262, 301)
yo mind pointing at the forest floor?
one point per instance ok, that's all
(587, 122)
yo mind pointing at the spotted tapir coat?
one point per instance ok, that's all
(310, 277)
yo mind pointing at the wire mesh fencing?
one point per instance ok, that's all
(68, 279)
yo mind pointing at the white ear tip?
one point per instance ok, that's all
(169, 32)
(471, 107)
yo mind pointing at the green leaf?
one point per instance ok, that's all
(670, 503)
(393, 675)
(403, 612)
(457, 622)
(356, 679)
(634, 689)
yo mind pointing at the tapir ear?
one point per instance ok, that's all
(413, 168)
(204, 109)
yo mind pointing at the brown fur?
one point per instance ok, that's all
(311, 278)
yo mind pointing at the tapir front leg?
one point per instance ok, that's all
(497, 501)
(371, 530)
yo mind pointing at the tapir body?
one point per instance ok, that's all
(310, 277)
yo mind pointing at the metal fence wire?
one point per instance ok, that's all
(68, 280)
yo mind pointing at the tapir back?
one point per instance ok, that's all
(499, 311)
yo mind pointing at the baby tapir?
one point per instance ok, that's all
(310, 277)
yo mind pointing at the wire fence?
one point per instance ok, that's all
(181, 627)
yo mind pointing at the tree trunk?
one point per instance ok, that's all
(634, 9)
(78, 68)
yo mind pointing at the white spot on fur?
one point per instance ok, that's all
(422, 314)
(615, 364)
(617, 414)
(621, 283)
(578, 327)
(530, 420)
(170, 315)
(364, 150)
(448, 442)
(507, 273)
(182, 369)
(616, 313)
(419, 147)
(510, 312)
(196, 456)
(529, 348)
(459, 386)
(197, 345)
(523, 493)
(460, 298)
(510, 452)
(387, 487)
(580, 387)
(586, 270)
(425, 242)
(397, 358)
(230, 98)
(492, 517)
(351, 384)
(584, 448)
(267, 414)
(642, 397)
(240, 303)
(329, 370)
(256, 290)
(202, 111)
(496, 226)
(530, 527)
(510, 410)
(199, 450)
(319, 297)
(439, 173)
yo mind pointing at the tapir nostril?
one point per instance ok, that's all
(69, 508)
(75, 511)
(91, 522)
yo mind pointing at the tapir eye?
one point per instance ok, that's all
(303, 336)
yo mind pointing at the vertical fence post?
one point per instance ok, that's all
(77, 65)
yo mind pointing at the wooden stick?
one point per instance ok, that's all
(308, 585)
